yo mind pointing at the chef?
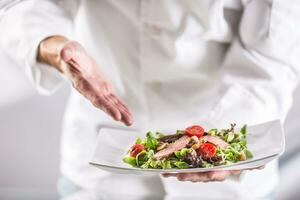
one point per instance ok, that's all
(156, 65)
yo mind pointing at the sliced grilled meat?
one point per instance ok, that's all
(216, 141)
(173, 147)
(170, 138)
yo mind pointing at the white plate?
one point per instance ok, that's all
(266, 142)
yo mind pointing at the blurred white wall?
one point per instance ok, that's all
(30, 129)
(288, 189)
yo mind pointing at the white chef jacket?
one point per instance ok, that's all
(174, 63)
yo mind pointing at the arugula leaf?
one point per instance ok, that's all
(213, 132)
(180, 132)
(177, 154)
(150, 153)
(138, 141)
(159, 134)
(156, 164)
(181, 165)
(141, 158)
(232, 153)
(206, 164)
(230, 137)
(166, 164)
(183, 152)
(222, 133)
(244, 130)
(150, 141)
(248, 153)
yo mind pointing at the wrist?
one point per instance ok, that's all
(49, 51)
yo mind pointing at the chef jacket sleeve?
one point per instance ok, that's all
(23, 25)
(261, 68)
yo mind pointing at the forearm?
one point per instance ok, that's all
(49, 51)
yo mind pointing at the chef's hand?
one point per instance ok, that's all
(206, 176)
(70, 58)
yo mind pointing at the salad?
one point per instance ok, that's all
(190, 148)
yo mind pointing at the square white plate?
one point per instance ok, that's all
(266, 141)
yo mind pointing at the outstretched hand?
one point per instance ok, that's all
(71, 59)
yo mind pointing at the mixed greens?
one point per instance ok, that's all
(189, 148)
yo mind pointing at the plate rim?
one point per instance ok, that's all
(183, 170)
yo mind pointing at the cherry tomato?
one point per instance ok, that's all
(207, 150)
(194, 131)
(136, 149)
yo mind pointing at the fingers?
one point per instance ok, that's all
(202, 176)
(126, 115)
(102, 103)
(112, 106)
(167, 175)
(107, 102)
(236, 172)
(259, 168)
(194, 177)
(113, 112)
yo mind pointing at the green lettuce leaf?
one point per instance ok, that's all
(166, 164)
(248, 153)
(150, 141)
(181, 165)
(138, 141)
(130, 160)
(213, 132)
(244, 130)
(183, 152)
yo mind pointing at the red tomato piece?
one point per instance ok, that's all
(207, 150)
(136, 149)
(194, 131)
